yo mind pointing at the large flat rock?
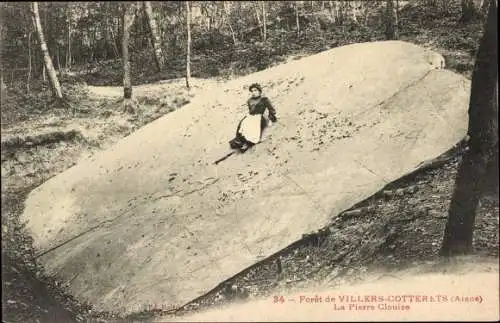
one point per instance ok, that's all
(153, 221)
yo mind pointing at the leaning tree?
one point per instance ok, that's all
(482, 146)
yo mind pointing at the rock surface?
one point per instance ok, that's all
(153, 221)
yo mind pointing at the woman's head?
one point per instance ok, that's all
(255, 89)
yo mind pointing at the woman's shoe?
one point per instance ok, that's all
(244, 148)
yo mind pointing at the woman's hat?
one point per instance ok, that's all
(255, 86)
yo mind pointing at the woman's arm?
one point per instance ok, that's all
(250, 107)
(272, 110)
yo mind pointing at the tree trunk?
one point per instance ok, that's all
(367, 14)
(54, 82)
(106, 32)
(264, 20)
(469, 11)
(58, 59)
(12, 75)
(93, 45)
(155, 37)
(259, 22)
(331, 11)
(297, 22)
(68, 53)
(339, 12)
(188, 54)
(390, 28)
(227, 11)
(28, 81)
(2, 83)
(397, 19)
(128, 20)
(445, 7)
(354, 12)
(113, 39)
(483, 144)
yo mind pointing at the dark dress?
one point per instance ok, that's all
(259, 106)
(255, 106)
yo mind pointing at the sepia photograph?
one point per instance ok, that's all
(236, 161)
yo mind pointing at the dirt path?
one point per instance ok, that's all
(155, 90)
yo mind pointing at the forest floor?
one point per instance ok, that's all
(41, 140)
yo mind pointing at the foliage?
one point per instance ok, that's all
(227, 36)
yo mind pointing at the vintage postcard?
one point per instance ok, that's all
(249, 161)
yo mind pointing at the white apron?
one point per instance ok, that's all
(250, 128)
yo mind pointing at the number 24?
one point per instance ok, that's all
(278, 299)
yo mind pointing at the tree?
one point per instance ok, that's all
(297, 22)
(188, 54)
(470, 10)
(28, 81)
(390, 25)
(68, 48)
(259, 21)
(483, 143)
(397, 21)
(227, 11)
(155, 37)
(264, 21)
(128, 20)
(49, 67)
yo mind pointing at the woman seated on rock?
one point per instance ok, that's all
(250, 128)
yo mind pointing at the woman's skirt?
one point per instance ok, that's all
(251, 128)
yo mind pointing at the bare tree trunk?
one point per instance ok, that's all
(397, 19)
(445, 6)
(227, 10)
(188, 54)
(469, 11)
(12, 75)
(114, 40)
(390, 28)
(483, 144)
(264, 20)
(54, 82)
(58, 59)
(68, 54)
(2, 41)
(93, 45)
(339, 12)
(106, 31)
(354, 12)
(259, 22)
(297, 22)
(331, 10)
(155, 37)
(28, 82)
(482, 8)
(367, 14)
(128, 20)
